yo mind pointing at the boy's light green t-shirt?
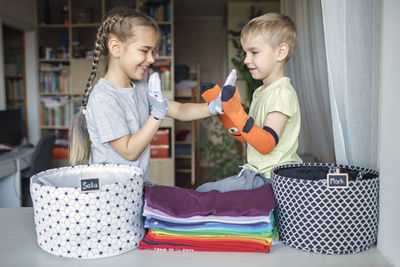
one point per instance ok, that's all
(278, 96)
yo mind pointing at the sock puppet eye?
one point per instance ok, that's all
(233, 130)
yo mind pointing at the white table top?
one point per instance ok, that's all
(18, 248)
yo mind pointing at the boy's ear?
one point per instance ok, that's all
(114, 47)
(283, 51)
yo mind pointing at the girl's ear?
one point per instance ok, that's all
(283, 51)
(114, 47)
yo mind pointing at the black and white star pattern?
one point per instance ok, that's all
(312, 217)
(75, 224)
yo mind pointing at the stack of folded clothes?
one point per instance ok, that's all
(179, 219)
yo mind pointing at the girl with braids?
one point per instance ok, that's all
(121, 113)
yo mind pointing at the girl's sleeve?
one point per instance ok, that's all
(107, 117)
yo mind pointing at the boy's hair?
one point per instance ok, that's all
(118, 22)
(278, 28)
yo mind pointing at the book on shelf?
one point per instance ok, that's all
(15, 89)
(159, 10)
(161, 62)
(55, 111)
(55, 82)
(60, 150)
(54, 79)
(165, 76)
(53, 67)
(76, 103)
(165, 42)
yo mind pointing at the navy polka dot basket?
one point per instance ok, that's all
(98, 216)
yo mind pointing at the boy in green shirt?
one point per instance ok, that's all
(272, 127)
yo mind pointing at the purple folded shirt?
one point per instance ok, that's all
(184, 203)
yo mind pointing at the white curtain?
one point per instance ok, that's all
(352, 34)
(308, 72)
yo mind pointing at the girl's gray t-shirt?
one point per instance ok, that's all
(113, 112)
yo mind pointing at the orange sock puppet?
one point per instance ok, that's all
(209, 92)
(263, 139)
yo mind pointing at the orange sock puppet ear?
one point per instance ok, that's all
(264, 139)
(209, 92)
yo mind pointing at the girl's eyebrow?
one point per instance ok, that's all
(147, 47)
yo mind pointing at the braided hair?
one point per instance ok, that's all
(118, 22)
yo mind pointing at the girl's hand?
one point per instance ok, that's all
(158, 103)
(215, 106)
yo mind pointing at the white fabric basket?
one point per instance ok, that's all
(75, 224)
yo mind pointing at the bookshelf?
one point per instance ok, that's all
(186, 136)
(66, 33)
(14, 66)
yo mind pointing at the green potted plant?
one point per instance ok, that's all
(221, 151)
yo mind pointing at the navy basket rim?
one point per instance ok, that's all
(332, 166)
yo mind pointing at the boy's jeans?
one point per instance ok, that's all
(245, 180)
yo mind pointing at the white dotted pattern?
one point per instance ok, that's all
(71, 223)
(312, 217)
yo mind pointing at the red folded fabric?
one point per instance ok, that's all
(150, 235)
(160, 246)
(218, 244)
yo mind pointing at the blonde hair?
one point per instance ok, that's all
(275, 27)
(118, 22)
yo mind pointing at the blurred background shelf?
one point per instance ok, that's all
(186, 136)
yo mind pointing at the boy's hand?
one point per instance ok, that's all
(215, 106)
(158, 103)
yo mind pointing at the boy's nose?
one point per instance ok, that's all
(246, 60)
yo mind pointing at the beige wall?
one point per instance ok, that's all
(239, 14)
(203, 40)
(20, 14)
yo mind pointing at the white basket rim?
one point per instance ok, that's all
(130, 168)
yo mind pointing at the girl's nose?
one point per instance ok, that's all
(150, 58)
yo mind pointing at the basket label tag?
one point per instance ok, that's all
(337, 180)
(89, 184)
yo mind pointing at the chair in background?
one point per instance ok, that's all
(41, 160)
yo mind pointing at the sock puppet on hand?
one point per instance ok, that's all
(263, 139)
(210, 91)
